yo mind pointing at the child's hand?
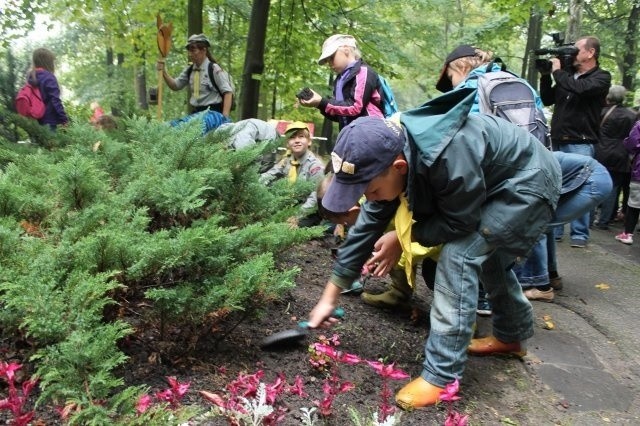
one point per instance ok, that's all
(386, 255)
(313, 102)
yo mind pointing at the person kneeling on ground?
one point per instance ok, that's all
(299, 163)
(474, 183)
(403, 275)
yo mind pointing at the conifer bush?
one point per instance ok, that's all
(160, 214)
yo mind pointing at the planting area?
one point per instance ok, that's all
(493, 390)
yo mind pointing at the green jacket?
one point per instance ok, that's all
(467, 173)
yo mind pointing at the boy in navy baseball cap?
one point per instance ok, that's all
(484, 190)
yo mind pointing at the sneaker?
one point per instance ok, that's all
(535, 294)
(625, 238)
(484, 308)
(578, 243)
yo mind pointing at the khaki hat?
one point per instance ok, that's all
(331, 45)
(296, 125)
(197, 39)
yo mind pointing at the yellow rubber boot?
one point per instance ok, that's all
(398, 296)
(418, 394)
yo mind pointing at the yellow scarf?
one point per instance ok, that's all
(293, 171)
(403, 221)
(196, 83)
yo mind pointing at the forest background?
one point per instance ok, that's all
(151, 235)
(107, 49)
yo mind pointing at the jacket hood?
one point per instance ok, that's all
(432, 125)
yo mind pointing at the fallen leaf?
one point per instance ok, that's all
(602, 286)
(546, 317)
(548, 325)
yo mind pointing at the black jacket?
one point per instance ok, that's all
(578, 102)
(610, 152)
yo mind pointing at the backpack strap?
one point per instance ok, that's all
(210, 72)
(497, 60)
(213, 81)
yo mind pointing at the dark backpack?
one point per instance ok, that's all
(29, 102)
(213, 81)
(388, 104)
(508, 96)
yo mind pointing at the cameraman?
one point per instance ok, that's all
(579, 95)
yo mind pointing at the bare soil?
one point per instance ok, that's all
(494, 390)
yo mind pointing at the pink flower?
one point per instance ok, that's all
(350, 359)
(388, 371)
(9, 370)
(297, 388)
(178, 388)
(144, 402)
(450, 392)
(456, 419)
(214, 398)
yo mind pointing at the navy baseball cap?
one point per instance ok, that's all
(365, 148)
(444, 83)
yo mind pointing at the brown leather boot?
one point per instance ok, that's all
(490, 345)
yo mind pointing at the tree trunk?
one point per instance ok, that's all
(630, 57)
(194, 17)
(254, 59)
(534, 36)
(575, 20)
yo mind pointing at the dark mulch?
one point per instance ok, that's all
(493, 390)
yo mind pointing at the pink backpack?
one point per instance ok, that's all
(29, 102)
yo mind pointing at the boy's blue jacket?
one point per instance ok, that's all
(467, 173)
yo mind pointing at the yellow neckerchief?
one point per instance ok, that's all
(293, 170)
(403, 221)
(196, 83)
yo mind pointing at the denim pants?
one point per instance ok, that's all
(533, 271)
(462, 265)
(542, 259)
(580, 225)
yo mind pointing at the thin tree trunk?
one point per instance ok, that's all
(630, 57)
(534, 36)
(254, 59)
(575, 20)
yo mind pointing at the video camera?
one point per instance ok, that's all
(566, 52)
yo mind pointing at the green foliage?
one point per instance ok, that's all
(163, 214)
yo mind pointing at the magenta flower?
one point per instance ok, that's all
(297, 388)
(350, 359)
(450, 392)
(144, 402)
(179, 389)
(388, 371)
(9, 370)
(456, 419)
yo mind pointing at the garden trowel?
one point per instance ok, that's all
(289, 338)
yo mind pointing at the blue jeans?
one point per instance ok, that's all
(463, 264)
(535, 270)
(580, 225)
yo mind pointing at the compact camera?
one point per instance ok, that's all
(304, 94)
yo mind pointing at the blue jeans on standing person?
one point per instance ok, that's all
(534, 272)
(579, 227)
(462, 265)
